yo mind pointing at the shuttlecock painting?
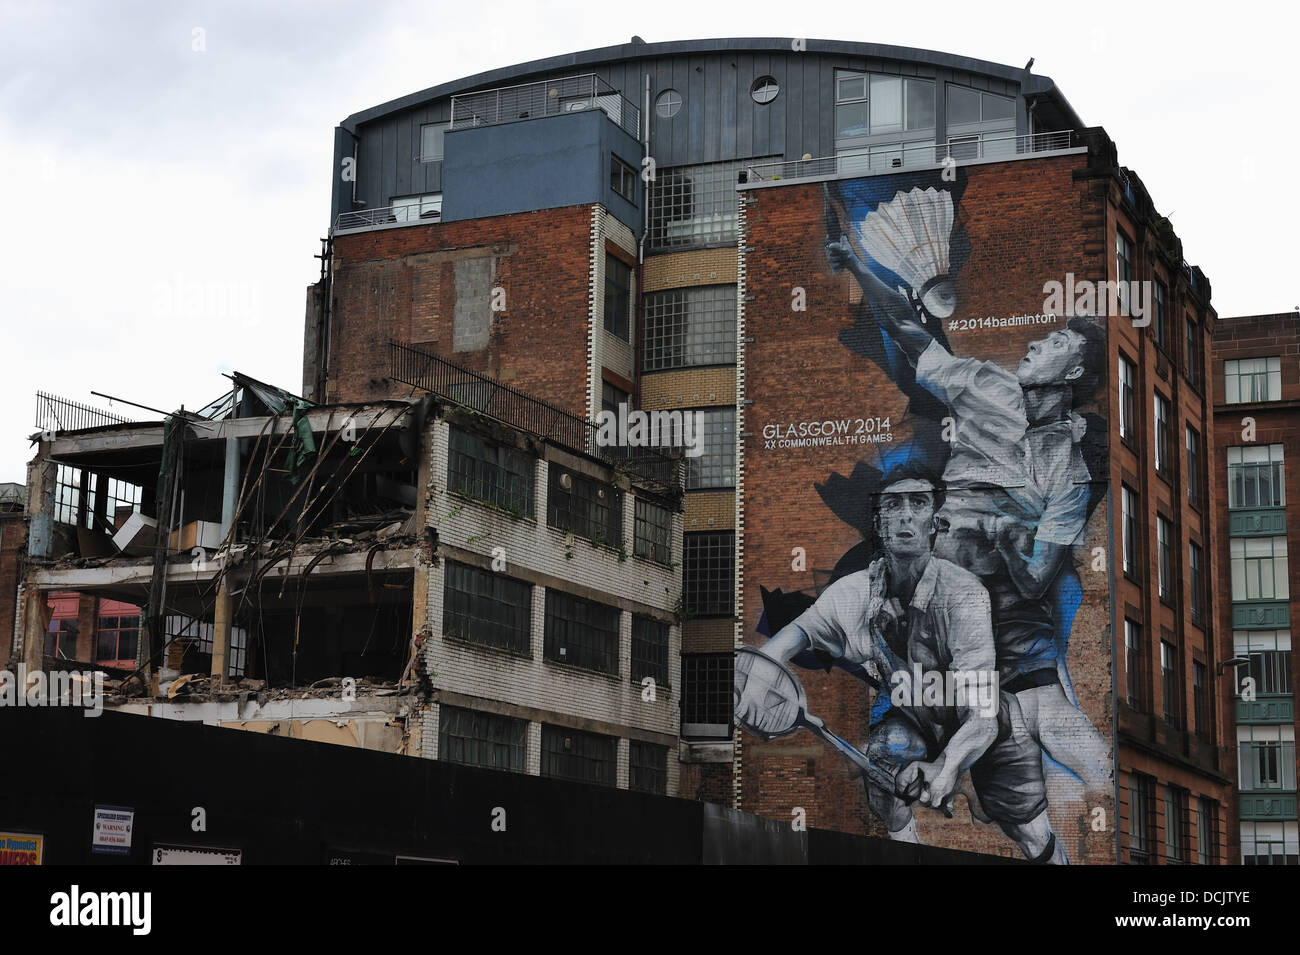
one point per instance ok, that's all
(909, 235)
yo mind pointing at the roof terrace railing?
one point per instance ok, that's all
(545, 98)
(886, 158)
(403, 213)
(518, 410)
(59, 414)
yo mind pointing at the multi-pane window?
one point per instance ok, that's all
(411, 208)
(1255, 476)
(1133, 654)
(1192, 351)
(710, 565)
(652, 530)
(581, 632)
(1207, 831)
(715, 466)
(706, 694)
(119, 496)
(1252, 379)
(487, 608)
(1269, 653)
(1140, 822)
(1201, 698)
(1259, 568)
(1192, 439)
(618, 297)
(202, 635)
(1161, 320)
(622, 179)
(490, 472)
(582, 757)
(482, 739)
(647, 766)
(1195, 584)
(1163, 463)
(1266, 758)
(1128, 530)
(686, 327)
(61, 638)
(1127, 407)
(1123, 269)
(875, 104)
(1175, 825)
(117, 640)
(585, 506)
(694, 205)
(611, 396)
(431, 141)
(1270, 843)
(649, 650)
(980, 125)
(1170, 682)
(1164, 558)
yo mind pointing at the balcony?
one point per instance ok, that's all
(879, 159)
(509, 104)
(403, 213)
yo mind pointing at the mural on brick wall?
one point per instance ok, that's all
(973, 480)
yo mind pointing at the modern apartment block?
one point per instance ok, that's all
(1257, 430)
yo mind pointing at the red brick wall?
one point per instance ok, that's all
(706, 782)
(400, 284)
(1028, 222)
(13, 545)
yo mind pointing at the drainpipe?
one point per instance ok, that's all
(222, 611)
(645, 190)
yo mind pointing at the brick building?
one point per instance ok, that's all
(647, 224)
(1256, 393)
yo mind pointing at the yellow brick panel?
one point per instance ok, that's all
(697, 267)
(708, 636)
(690, 388)
(710, 510)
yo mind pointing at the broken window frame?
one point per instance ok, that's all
(486, 740)
(490, 473)
(652, 532)
(588, 757)
(469, 591)
(582, 509)
(587, 631)
(647, 768)
(649, 650)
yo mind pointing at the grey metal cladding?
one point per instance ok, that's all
(718, 121)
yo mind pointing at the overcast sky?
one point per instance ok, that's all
(165, 203)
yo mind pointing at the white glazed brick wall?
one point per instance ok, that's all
(494, 675)
(611, 351)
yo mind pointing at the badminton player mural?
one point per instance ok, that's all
(957, 605)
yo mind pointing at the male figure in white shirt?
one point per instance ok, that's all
(913, 611)
(1016, 498)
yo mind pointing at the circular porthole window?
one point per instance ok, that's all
(764, 90)
(668, 103)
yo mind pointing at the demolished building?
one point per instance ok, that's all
(459, 574)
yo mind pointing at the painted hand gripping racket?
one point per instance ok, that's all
(785, 710)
